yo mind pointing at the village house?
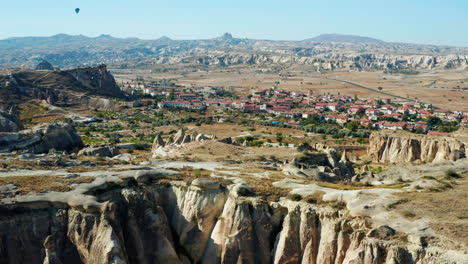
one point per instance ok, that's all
(364, 122)
(332, 107)
(421, 125)
(279, 110)
(424, 114)
(441, 113)
(372, 113)
(354, 109)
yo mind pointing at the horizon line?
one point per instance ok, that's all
(258, 39)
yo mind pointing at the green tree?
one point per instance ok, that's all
(279, 137)
(172, 94)
(353, 126)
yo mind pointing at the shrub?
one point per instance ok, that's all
(295, 197)
(409, 214)
(315, 198)
(451, 174)
(197, 172)
(394, 204)
(242, 191)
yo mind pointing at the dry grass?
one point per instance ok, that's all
(344, 186)
(447, 210)
(40, 184)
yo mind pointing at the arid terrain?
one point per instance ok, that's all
(233, 151)
(444, 89)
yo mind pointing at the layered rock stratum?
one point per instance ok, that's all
(395, 147)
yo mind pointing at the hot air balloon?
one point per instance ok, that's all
(77, 10)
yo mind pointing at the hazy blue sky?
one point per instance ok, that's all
(416, 21)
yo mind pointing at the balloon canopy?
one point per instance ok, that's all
(77, 10)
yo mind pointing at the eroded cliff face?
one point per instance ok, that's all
(60, 86)
(405, 147)
(98, 80)
(138, 220)
(328, 61)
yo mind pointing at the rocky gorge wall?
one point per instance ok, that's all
(136, 220)
(329, 61)
(406, 147)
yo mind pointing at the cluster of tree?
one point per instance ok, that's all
(335, 132)
(250, 141)
(442, 126)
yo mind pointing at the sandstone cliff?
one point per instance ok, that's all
(327, 61)
(130, 218)
(405, 147)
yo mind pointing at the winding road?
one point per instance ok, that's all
(384, 93)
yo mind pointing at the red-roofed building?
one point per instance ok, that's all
(250, 108)
(321, 106)
(354, 109)
(440, 113)
(424, 113)
(364, 122)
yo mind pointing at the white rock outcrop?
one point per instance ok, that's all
(130, 218)
(406, 147)
(161, 147)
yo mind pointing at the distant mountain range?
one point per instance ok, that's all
(66, 51)
(343, 38)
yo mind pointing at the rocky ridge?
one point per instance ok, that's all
(330, 61)
(55, 87)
